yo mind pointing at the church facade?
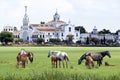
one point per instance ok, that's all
(55, 28)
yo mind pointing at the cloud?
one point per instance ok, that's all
(89, 13)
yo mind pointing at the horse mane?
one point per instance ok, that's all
(83, 56)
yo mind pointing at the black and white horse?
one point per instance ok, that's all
(98, 56)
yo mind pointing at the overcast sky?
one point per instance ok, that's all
(87, 13)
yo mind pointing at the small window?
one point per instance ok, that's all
(62, 34)
(76, 34)
(40, 36)
(69, 29)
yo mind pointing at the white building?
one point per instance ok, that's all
(9, 28)
(95, 34)
(55, 28)
(118, 37)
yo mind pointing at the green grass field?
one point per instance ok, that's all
(41, 68)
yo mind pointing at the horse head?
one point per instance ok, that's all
(81, 58)
(66, 57)
(49, 53)
(30, 56)
(108, 54)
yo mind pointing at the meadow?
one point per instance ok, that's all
(41, 68)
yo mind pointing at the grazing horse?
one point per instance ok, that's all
(98, 56)
(89, 62)
(61, 55)
(54, 61)
(23, 59)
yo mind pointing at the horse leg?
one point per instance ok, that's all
(101, 62)
(98, 63)
(27, 61)
(56, 64)
(52, 63)
(66, 65)
(17, 65)
(92, 64)
(63, 64)
(87, 64)
(23, 64)
(59, 64)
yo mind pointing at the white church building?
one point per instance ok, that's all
(55, 28)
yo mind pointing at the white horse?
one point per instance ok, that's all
(61, 55)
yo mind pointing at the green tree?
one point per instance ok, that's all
(40, 40)
(104, 31)
(18, 40)
(42, 22)
(95, 40)
(88, 40)
(70, 38)
(6, 37)
(117, 32)
(81, 29)
(110, 41)
(54, 40)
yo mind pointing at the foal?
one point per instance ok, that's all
(89, 62)
(107, 64)
(54, 61)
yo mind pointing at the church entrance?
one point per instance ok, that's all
(25, 36)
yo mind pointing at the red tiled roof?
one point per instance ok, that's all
(47, 29)
(16, 32)
(7, 27)
(59, 21)
(34, 25)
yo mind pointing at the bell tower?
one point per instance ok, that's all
(26, 32)
(56, 16)
(25, 18)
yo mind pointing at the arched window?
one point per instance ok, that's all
(40, 36)
(48, 33)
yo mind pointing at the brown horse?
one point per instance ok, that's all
(22, 59)
(54, 61)
(89, 62)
